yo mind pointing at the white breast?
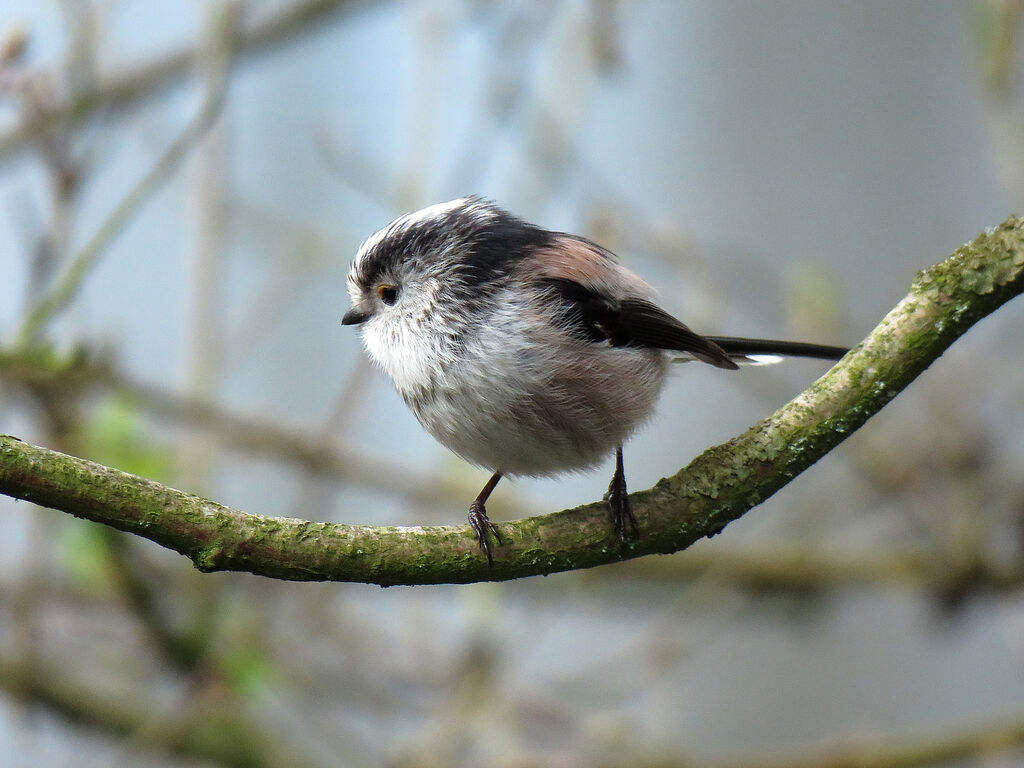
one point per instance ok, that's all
(515, 400)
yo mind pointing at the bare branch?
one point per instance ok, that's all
(716, 488)
(807, 569)
(224, 737)
(975, 744)
(147, 79)
(76, 270)
(65, 379)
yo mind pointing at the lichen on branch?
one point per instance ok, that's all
(717, 487)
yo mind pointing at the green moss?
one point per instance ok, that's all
(716, 487)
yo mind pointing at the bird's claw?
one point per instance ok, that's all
(621, 510)
(484, 529)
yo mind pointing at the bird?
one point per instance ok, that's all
(526, 351)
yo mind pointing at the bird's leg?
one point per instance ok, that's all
(618, 502)
(478, 520)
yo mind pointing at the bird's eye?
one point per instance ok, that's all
(388, 293)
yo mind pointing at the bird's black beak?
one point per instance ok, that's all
(355, 317)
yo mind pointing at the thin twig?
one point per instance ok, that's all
(77, 269)
(148, 79)
(37, 369)
(990, 739)
(226, 738)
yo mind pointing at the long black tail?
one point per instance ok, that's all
(750, 349)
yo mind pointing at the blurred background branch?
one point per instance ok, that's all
(147, 79)
(69, 282)
(776, 169)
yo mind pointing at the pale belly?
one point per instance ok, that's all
(525, 424)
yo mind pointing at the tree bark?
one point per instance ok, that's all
(700, 500)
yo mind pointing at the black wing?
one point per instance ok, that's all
(633, 322)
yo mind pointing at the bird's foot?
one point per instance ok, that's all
(617, 499)
(483, 528)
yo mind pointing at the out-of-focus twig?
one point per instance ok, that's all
(986, 741)
(261, 437)
(64, 380)
(997, 32)
(148, 79)
(207, 213)
(804, 570)
(183, 650)
(218, 736)
(69, 282)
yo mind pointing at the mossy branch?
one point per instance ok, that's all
(716, 488)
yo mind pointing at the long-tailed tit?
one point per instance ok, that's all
(525, 351)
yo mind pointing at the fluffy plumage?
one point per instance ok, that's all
(524, 351)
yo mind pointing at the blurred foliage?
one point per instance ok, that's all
(116, 437)
(84, 552)
(139, 660)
